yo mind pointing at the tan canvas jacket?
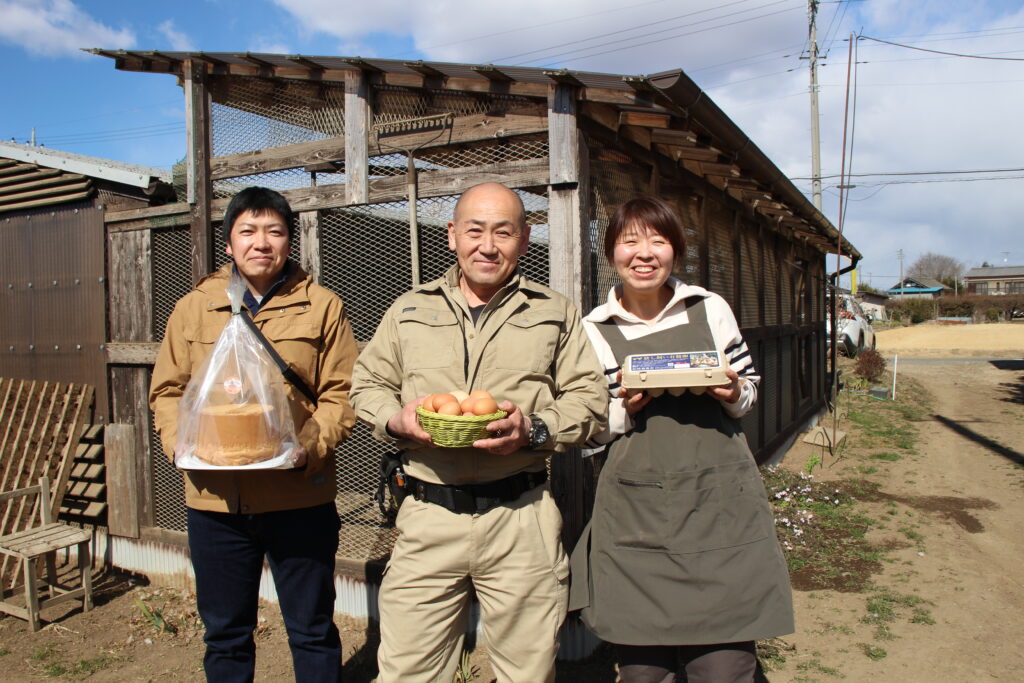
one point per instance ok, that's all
(309, 329)
(528, 348)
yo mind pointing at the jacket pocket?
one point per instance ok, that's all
(428, 338)
(298, 343)
(529, 341)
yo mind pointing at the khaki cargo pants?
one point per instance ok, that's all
(511, 555)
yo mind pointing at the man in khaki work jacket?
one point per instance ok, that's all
(236, 518)
(479, 518)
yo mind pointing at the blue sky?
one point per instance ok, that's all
(916, 111)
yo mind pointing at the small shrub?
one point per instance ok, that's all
(992, 314)
(870, 365)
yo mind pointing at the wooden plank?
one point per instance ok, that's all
(89, 451)
(28, 490)
(563, 135)
(678, 153)
(92, 510)
(431, 183)
(84, 396)
(80, 489)
(17, 169)
(200, 188)
(81, 470)
(309, 243)
(150, 212)
(62, 181)
(133, 353)
(121, 476)
(129, 272)
(645, 119)
(357, 118)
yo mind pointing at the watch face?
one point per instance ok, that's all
(538, 432)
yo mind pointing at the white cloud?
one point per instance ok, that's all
(178, 40)
(269, 46)
(915, 111)
(56, 28)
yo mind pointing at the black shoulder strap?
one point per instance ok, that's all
(286, 369)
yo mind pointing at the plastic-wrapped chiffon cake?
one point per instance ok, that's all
(235, 434)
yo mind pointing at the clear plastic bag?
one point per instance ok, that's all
(235, 414)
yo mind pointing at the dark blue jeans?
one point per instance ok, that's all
(227, 555)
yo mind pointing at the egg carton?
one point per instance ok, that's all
(675, 372)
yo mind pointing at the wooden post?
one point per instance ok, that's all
(309, 243)
(129, 272)
(705, 241)
(568, 199)
(572, 481)
(357, 117)
(200, 188)
(122, 493)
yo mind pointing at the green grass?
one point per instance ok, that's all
(4, 652)
(890, 457)
(873, 651)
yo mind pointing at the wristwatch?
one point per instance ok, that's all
(539, 434)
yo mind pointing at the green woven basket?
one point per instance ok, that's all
(456, 431)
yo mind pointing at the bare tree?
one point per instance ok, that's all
(937, 266)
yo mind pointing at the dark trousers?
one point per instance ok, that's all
(723, 663)
(227, 554)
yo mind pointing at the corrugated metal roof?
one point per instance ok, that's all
(993, 272)
(30, 186)
(94, 167)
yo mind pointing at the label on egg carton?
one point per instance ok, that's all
(674, 372)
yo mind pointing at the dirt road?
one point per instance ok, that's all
(959, 502)
(941, 340)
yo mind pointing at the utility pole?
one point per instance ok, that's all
(33, 143)
(899, 253)
(812, 12)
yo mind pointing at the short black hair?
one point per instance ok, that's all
(649, 213)
(258, 200)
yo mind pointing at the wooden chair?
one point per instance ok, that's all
(44, 541)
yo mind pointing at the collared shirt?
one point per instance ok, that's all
(724, 330)
(249, 299)
(527, 347)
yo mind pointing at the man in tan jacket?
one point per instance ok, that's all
(236, 518)
(479, 519)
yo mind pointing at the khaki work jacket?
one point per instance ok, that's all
(528, 347)
(308, 327)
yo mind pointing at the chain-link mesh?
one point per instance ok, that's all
(367, 260)
(168, 487)
(257, 113)
(398, 103)
(171, 273)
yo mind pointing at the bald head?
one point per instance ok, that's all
(491, 191)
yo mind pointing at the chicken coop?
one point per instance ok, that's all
(373, 154)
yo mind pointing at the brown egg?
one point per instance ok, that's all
(468, 414)
(428, 402)
(485, 406)
(467, 405)
(479, 393)
(441, 399)
(449, 408)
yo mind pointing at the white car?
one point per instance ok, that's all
(854, 333)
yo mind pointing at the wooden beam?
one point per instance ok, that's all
(673, 136)
(565, 77)
(357, 125)
(120, 452)
(132, 353)
(679, 153)
(568, 211)
(309, 243)
(431, 183)
(422, 67)
(306, 62)
(150, 212)
(200, 188)
(645, 119)
(492, 73)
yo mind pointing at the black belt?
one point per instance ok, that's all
(476, 498)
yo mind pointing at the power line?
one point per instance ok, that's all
(642, 40)
(909, 173)
(941, 52)
(638, 26)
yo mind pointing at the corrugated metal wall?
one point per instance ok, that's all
(53, 297)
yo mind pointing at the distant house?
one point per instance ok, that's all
(873, 304)
(916, 287)
(992, 280)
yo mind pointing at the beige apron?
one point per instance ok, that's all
(681, 547)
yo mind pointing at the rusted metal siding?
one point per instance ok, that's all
(53, 297)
